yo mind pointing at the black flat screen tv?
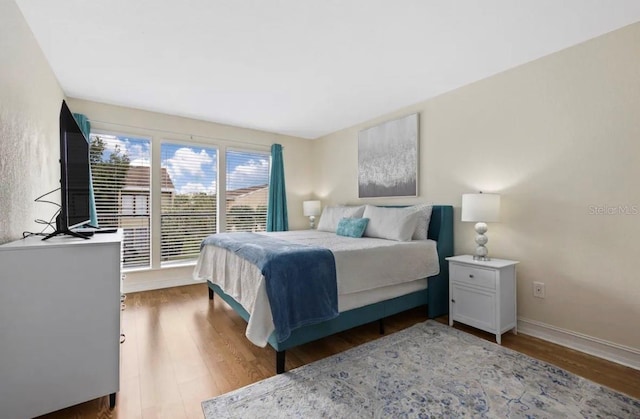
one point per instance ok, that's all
(75, 177)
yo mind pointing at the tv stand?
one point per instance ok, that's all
(70, 233)
(60, 229)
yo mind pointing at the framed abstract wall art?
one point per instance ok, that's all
(388, 159)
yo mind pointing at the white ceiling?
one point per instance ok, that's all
(299, 67)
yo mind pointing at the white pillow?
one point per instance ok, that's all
(390, 223)
(331, 216)
(424, 218)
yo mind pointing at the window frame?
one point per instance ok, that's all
(137, 136)
(156, 140)
(267, 154)
(193, 144)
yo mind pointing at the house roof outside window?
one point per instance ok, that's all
(138, 179)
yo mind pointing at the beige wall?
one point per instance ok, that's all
(30, 99)
(556, 137)
(158, 127)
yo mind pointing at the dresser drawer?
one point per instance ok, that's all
(472, 275)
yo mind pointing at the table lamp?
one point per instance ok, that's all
(481, 208)
(311, 209)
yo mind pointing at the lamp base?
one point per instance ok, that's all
(312, 222)
(481, 240)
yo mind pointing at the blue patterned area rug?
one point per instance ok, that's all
(428, 370)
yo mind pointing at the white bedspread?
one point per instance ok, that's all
(361, 264)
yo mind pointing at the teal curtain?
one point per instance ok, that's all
(85, 126)
(277, 209)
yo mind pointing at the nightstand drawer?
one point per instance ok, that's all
(472, 275)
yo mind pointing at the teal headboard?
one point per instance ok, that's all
(441, 230)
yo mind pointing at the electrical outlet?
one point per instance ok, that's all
(538, 289)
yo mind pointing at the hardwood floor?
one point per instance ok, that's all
(181, 349)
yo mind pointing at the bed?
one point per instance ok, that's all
(358, 304)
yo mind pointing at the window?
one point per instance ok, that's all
(134, 204)
(121, 185)
(188, 203)
(141, 204)
(128, 204)
(247, 190)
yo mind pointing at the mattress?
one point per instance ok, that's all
(368, 270)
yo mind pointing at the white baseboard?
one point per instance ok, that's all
(137, 286)
(601, 348)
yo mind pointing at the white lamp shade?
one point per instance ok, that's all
(481, 207)
(311, 208)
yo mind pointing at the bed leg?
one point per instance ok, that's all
(381, 326)
(280, 362)
(210, 294)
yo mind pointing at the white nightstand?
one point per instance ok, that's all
(483, 294)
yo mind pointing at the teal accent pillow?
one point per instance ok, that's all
(352, 227)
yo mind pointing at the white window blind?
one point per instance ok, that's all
(188, 209)
(247, 190)
(121, 186)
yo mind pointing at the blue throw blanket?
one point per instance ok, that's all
(300, 280)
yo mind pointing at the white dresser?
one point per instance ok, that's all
(59, 323)
(482, 294)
